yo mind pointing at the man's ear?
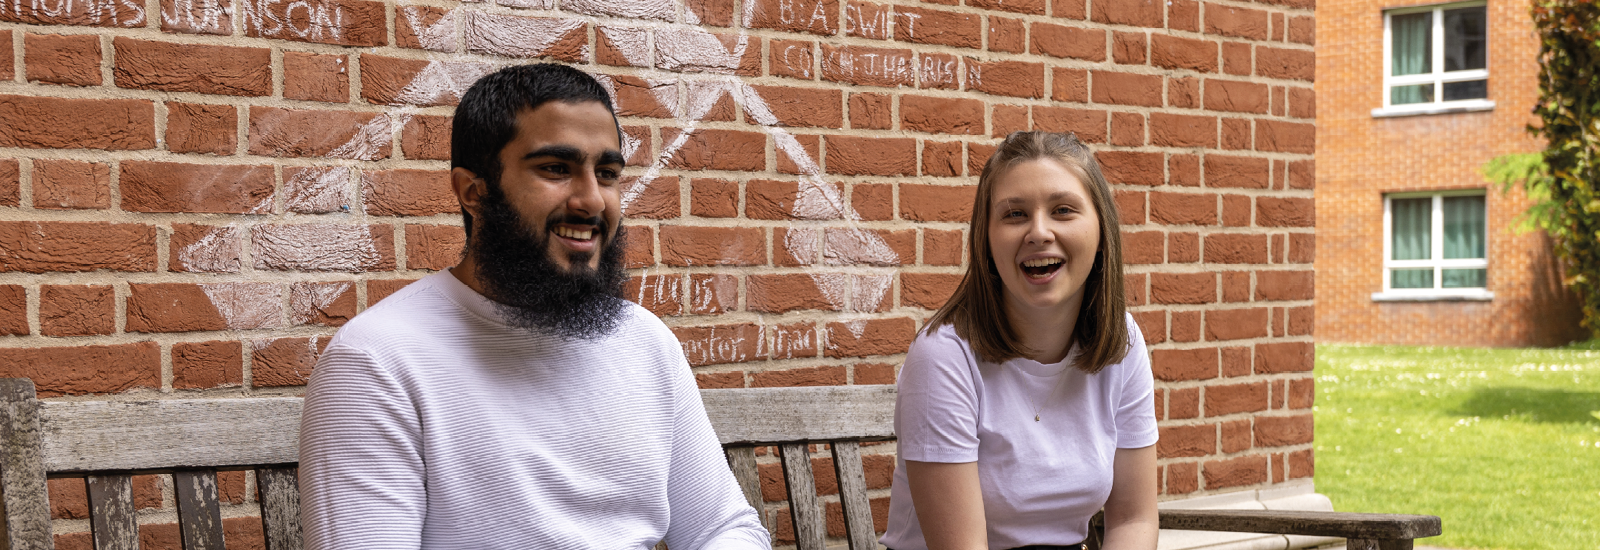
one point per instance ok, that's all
(469, 189)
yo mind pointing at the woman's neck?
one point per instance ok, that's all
(1047, 332)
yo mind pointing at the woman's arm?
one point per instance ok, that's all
(949, 504)
(1131, 521)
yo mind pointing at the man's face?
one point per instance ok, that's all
(560, 175)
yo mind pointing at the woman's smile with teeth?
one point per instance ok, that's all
(570, 233)
(1040, 267)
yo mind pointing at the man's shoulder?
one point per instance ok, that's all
(410, 311)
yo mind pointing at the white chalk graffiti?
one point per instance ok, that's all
(122, 13)
(194, 15)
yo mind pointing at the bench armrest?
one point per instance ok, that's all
(1349, 525)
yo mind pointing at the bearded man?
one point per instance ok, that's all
(516, 400)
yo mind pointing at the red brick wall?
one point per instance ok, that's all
(1362, 158)
(193, 199)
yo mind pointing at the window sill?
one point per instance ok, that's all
(1478, 295)
(1468, 106)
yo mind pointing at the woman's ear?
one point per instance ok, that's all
(468, 188)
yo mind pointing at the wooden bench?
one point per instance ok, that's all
(107, 442)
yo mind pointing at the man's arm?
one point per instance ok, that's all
(361, 472)
(706, 507)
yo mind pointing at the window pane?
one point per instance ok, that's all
(1464, 278)
(1463, 228)
(1412, 223)
(1471, 89)
(1401, 95)
(1412, 50)
(1464, 39)
(1411, 278)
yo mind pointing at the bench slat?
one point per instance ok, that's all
(279, 490)
(778, 415)
(853, 495)
(742, 460)
(199, 513)
(112, 521)
(1326, 524)
(809, 533)
(26, 501)
(90, 436)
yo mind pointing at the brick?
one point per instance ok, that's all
(425, 28)
(869, 337)
(1284, 357)
(941, 159)
(940, 71)
(1301, 321)
(1303, 104)
(854, 246)
(705, 149)
(1234, 472)
(867, 66)
(1183, 170)
(389, 81)
(799, 156)
(81, 370)
(1285, 137)
(1235, 398)
(629, 10)
(195, 128)
(1183, 248)
(61, 59)
(329, 304)
(1183, 403)
(1143, 247)
(661, 294)
(783, 293)
(434, 247)
(69, 499)
(10, 182)
(867, 20)
(204, 248)
(313, 77)
(684, 50)
(1236, 324)
(128, 15)
(1173, 365)
(76, 310)
(1005, 119)
(811, 16)
(622, 46)
(927, 290)
(1131, 208)
(943, 28)
(713, 198)
(711, 345)
(1182, 478)
(1088, 124)
(1235, 436)
(316, 189)
(713, 294)
(1235, 96)
(653, 98)
(198, 68)
(1285, 212)
(1303, 30)
(1127, 88)
(1131, 168)
(804, 107)
(378, 289)
(873, 201)
(1236, 172)
(1187, 441)
(57, 123)
(176, 187)
(1279, 431)
(1235, 134)
(871, 111)
(794, 340)
(1183, 288)
(1183, 208)
(978, 155)
(183, 307)
(1275, 27)
(1069, 9)
(1183, 15)
(1174, 130)
(1069, 85)
(337, 22)
(13, 310)
(1302, 248)
(1185, 326)
(1035, 7)
(871, 156)
(1002, 78)
(942, 247)
(792, 58)
(719, 380)
(41, 247)
(285, 361)
(1236, 22)
(808, 376)
(1236, 59)
(1301, 464)
(1138, 13)
(276, 132)
(1153, 325)
(782, 200)
(200, 365)
(1286, 63)
(1229, 248)
(1172, 52)
(1068, 42)
(1236, 362)
(323, 247)
(1183, 92)
(408, 193)
(639, 248)
(1302, 393)
(702, 246)
(1236, 210)
(1130, 48)
(70, 184)
(1008, 35)
(941, 115)
(924, 203)
(427, 137)
(874, 373)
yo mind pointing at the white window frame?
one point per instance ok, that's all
(1436, 256)
(1438, 77)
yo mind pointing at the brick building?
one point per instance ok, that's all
(195, 194)
(1415, 246)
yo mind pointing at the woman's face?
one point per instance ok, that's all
(1044, 232)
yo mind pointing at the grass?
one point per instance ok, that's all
(1502, 444)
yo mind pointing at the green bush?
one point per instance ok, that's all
(1562, 179)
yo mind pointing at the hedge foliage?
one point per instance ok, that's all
(1563, 179)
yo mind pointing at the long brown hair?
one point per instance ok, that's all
(977, 309)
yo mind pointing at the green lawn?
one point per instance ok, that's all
(1502, 444)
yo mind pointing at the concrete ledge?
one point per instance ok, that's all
(1298, 495)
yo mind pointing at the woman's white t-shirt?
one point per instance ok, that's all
(1041, 480)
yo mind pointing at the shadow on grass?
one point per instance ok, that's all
(1544, 406)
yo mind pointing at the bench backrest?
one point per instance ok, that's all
(108, 442)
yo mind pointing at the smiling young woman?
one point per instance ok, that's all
(1026, 404)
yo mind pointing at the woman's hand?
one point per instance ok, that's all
(1131, 522)
(949, 504)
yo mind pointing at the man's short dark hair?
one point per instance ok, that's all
(486, 120)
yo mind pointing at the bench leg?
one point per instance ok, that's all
(1378, 544)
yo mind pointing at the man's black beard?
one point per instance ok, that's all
(513, 265)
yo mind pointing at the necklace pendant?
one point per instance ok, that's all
(1036, 418)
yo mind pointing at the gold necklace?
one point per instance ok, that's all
(1037, 409)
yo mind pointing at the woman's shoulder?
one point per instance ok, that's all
(941, 339)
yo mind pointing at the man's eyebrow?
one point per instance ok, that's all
(612, 156)
(563, 152)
